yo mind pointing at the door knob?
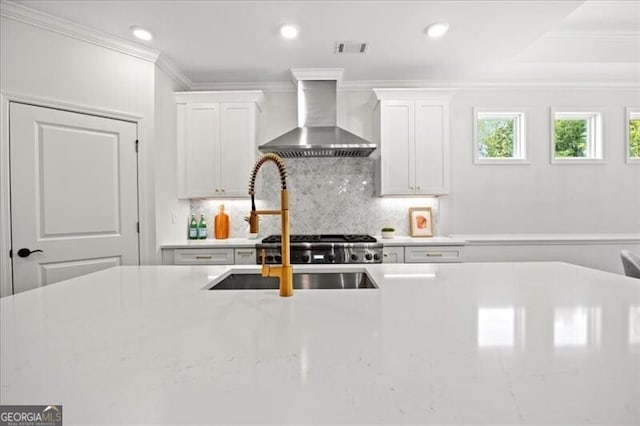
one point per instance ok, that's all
(25, 252)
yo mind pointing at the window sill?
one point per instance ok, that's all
(500, 161)
(578, 161)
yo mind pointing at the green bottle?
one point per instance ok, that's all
(202, 228)
(193, 228)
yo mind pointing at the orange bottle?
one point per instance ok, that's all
(221, 224)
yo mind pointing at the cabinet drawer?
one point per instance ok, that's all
(393, 255)
(203, 256)
(432, 254)
(245, 256)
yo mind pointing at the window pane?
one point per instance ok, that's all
(496, 138)
(634, 138)
(571, 138)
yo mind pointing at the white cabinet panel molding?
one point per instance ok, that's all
(217, 136)
(412, 132)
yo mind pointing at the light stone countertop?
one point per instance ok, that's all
(212, 243)
(246, 242)
(518, 239)
(491, 343)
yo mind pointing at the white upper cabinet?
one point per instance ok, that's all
(217, 142)
(412, 132)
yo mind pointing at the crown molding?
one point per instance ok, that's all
(298, 74)
(174, 72)
(368, 85)
(255, 96)
(353, 86)
(16, 12)
(274, 86)
(621, 36)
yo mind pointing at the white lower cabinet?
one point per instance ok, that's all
(393, 255)
(209, 256)
(245, 256)
(432, 254)
(222, 256)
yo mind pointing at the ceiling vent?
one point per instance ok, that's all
(351, 47)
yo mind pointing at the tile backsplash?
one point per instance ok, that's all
(326, 195)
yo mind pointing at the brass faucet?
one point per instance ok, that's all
(284, 271)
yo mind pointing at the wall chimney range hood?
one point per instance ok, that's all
(317, 134)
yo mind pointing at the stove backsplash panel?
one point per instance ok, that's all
(326, 195)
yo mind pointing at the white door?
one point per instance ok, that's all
(432, 149)
(202, 141)
(237, 147)
(397, 136)
(73, 194)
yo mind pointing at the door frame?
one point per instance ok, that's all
(144, 213)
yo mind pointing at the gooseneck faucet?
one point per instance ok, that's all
(284, 271)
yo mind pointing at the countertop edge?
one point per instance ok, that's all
(543, 239)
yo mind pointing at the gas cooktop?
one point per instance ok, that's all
(321, 238)
(322, 248)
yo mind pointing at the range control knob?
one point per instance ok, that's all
(278, 258)
(354, 257)
(376, 256)
(269, 258)
(330, 257)
(305, 258)
(368, 256)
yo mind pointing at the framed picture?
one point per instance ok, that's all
(420, 222)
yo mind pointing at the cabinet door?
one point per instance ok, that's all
(393, 255)
(432, 147)
(245, 256)
(397, 145)
(201, 149)
(237, 148)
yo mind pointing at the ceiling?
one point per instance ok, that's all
(227, 42)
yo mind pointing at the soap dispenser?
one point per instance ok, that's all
(221, 224)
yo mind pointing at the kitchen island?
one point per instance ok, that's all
(515, 343)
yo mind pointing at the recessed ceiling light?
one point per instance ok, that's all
(437, 30)
(141, 33)
(289, 31)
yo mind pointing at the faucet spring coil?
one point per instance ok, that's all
(279, 162)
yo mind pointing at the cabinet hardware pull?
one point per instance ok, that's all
(411, 187)
(217, 190)
(245, 252)
(203, 257)
(434, 254)
(386, 255)
(419, 187)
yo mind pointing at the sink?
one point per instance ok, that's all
(301, 281)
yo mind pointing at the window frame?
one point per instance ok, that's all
(630, 113)
(595, 134)
(520, 145)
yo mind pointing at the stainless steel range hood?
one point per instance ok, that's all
(317, 134)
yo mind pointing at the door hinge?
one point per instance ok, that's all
(138, 227)
(137, 143)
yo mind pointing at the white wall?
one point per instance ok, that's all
(45, 65)
(542, 197)
(535, 198)
(171, 213)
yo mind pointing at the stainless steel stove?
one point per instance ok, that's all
(322, 248)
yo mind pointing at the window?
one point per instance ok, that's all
(499, 137)
(576, 137)
(633, 136)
